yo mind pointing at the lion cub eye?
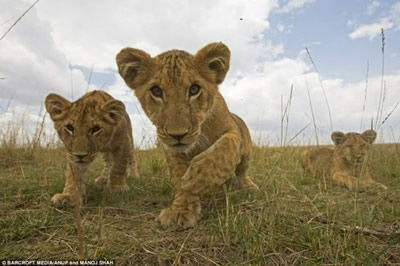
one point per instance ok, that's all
(69, 128)
(156, 91)
(96, 129)
(194, 90)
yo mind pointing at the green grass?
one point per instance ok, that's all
(294, 219)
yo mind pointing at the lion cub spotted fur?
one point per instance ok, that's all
(204, 142)
(346, 163)
(95, 123)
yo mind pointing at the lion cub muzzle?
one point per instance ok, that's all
(80, 151)
(178, 137)
(82, 157)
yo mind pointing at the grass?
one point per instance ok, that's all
(294, 219)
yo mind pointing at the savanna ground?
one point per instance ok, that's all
(294, 219)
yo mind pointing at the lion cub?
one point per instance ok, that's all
(204, 142)
(95, 123)
(346, 163)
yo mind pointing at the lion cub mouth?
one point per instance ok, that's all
(178, 146)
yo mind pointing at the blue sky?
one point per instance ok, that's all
(58, 43)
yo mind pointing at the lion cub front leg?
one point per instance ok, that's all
(355, 183)
(351, 182)
(370, 182)
(74, 188)
(118, 171)
(206, 172)
(212, 168)
(362, 183)
(185, 209)
(245, 182)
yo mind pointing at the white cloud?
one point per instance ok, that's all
(371, 30)
(284, 28)
(96, 38)
(280, 27)
(294, 4)
(37, 53)
(31, 63)
(390, 21)
(350, 23)
(395, 14)
(371, 8)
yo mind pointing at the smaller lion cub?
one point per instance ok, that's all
(346, 163)
(95, 123)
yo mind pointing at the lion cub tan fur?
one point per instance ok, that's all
(204, 142)
(346, 163)
(95, 123)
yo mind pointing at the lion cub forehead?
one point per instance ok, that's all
(355, 138)
(174, 59)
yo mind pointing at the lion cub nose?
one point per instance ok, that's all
(358, 158)
(178, 135)
(80, 155)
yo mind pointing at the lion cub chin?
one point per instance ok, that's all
(95, 123)
(204, 142)
(346, 163)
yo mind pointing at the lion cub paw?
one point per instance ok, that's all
(176, 217)
(378, 186)
(247, 183)
(62, 200)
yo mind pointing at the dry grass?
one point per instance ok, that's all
(294, 219)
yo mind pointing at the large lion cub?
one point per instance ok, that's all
(346, 163)
(95, 123)
(204, 142)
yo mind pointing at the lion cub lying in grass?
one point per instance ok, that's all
(346, 163)
(95, 123)
(204, 142)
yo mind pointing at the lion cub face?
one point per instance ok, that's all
(176, 89)
(353, 147)
(84, 126)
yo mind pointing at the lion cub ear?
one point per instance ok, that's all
(57, 106)
(337, 137)
(213, 62)
(369, 136)
(113, 111)
(134, 66)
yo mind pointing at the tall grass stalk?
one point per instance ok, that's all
(101, 214)
(19, 18)
(312, 110)
(39, 130)
(365, 97)
(389, 114)
(89, 79)
(322, 87)
(381, 94)
(285, 117)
